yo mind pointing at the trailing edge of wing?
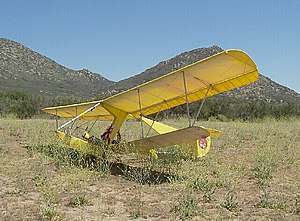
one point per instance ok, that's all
(219, 73)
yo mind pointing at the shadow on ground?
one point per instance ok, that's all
(139, 174)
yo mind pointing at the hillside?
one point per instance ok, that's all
(167, 66)
(264, 89)
(22, 68)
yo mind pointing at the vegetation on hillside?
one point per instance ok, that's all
(232, 109)
(23, 68)
(24, 105)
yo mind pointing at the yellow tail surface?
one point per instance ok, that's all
(199, 147)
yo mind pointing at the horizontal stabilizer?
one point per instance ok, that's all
(157, 126)
(213, 132)
(163, 128)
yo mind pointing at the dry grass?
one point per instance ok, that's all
(251, 173)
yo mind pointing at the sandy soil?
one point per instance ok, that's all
(37, 187)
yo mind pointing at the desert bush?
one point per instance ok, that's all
(207, 187)
(78, 200)
(137, 204)
(51, 213)
(142, 174)
(25, 105)
(230, 202)
(186, 204)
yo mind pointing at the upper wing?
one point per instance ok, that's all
(221, 72)
(70, 111)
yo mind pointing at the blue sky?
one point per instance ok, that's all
(119, 39)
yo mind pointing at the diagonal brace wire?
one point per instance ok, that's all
(202, 103)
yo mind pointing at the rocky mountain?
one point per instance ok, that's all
(264, 89)
(167, 66)
(22, 68)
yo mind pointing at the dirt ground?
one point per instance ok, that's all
(251, 173)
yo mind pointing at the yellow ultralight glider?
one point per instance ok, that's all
(216, 74)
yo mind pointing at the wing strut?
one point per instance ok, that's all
(140, 105)
(78, 116)
(201, 105)
(153, 121)
(186, 98)
(56, 119)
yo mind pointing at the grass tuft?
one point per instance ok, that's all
(78, 200)
(230, 202)
(186, 206)
(207, 187)
(50, 213)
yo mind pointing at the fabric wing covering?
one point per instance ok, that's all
(221, 72)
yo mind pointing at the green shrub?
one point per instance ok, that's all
(78, 200)
(230, 202)
(186, 206)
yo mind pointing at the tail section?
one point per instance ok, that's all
(199, 148)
